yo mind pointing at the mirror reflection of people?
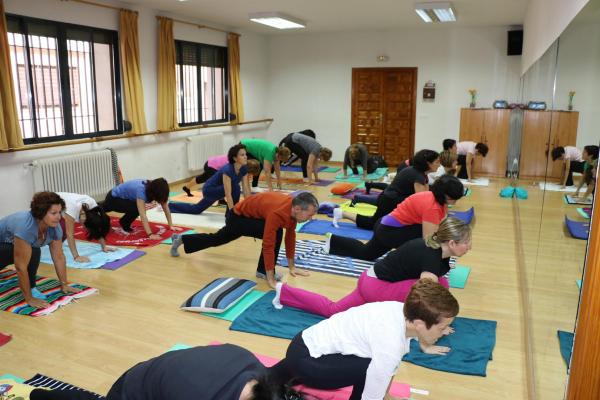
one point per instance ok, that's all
(467, 151)
(221, 372)
(590, 160)
(23, 233)
(572, 161)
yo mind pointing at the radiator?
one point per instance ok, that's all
(200, 147)
(85, 173)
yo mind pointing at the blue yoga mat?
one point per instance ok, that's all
(465, 216)
(579, 230)
(565, 340)
(262, 318)
(471, 346)
(88, 249)
(346, 229)
(298, 168)
(379, 173)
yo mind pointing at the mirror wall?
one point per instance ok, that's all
(566, 78)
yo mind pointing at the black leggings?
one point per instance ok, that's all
(7, 257)
(462, 161)
(385, 238)
(113, 394)
(331, 371)
(385, 205)
(207, 172)
(235, 227)
(576, 166)
(127, 207)
(297, 150)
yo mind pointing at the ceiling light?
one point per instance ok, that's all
(277, 20)
(435, 12)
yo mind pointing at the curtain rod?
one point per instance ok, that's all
(93, 3)
(198, 25)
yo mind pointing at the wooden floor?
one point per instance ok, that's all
(136, 314)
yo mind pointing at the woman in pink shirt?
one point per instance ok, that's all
(467, 151)
(417, 216)
(572, 162)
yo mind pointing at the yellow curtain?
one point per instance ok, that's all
(235, 84)
(132, 77)
(167, 93)
(10, 131)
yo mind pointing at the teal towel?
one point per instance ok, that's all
(379, 173)
(521, 193)
(565, 340)
(471, 346)
(507, 192)
(457, 277)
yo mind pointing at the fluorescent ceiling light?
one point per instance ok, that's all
(435, 12)
(277, 20)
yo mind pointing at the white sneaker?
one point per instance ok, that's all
(327, 243)
(337, 215)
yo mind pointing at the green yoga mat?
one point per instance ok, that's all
(458, 276)
(578, 282)
(330, 169)
(170, 241)
(179, 346)
(12, 377)
(583, 213)
(379, 173)
(239, 307)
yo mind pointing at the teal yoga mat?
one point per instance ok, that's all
(239, 307)
(578, 282)
(331, 169)
(379, 173)
(457, 277)
(12, 377)
(170, 240)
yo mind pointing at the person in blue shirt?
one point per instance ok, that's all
(131, 197)
(225, 183)
(22, 234)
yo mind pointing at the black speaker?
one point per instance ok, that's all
(515, 43)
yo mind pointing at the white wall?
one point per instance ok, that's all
(310, 78)
(148, 156)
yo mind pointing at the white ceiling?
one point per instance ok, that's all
(341, 15)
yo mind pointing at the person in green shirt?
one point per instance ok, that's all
(269, 156)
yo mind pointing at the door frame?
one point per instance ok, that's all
(414, 71)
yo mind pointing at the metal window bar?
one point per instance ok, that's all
(95, 120)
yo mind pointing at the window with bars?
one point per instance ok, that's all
(66, 79)
(202, 92)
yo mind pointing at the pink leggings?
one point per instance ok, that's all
(368, 290)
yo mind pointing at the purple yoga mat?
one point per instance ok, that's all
(297, 168)
(113, 265)
(323, 182)
(350, 195)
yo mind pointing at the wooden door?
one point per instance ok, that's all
(384, 110)
(496, 128)
(534, 144)
(563, 133)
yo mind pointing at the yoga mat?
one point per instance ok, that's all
(44, 381)
(400, 390)
(12, 377)
(476, 182)
(134, 255)
(12, 300)
(87, 249)
(576, 200)
(471, 346)
(310, 255)
(298, 168)
(208, 219)
(465, 216)
(379, 173)
(196, 198)
(565, 341)
(578, 282)
(359, 208)
(346, 229)
(555, 187)
(579, 230)
(323, 182)
(4, 339)
(585, 212)
(170, 240)
(468, 192)
(232, 313)
(136, 238)
(331, 169)
(457, 277)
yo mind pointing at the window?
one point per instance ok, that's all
(66, 79)
(201, 72)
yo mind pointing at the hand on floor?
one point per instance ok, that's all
(37, 303)
(69, 289)
(298, 272)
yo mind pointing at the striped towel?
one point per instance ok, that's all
(43, 381)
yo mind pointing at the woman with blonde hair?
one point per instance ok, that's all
(358, 154)
(448, 164)
(392, 277)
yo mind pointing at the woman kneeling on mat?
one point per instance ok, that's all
(417, 216)
(22, 234)
(358, 154)
(83, 209)
(223, 372)
(391, 278)
(363, 347)
(131, 197)
(224, 184)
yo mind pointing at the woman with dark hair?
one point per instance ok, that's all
(363, 347)
(22, 234)
(211, 167)
(408, 181)
(131, 197)
(590, 158)
(269, 156)
(467, 151)
(82, 208)
(310, 152)
(223, 372)
(224, 184)
(417, 216)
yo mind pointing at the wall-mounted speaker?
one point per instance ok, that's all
(515, 43)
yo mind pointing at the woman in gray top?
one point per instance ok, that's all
(309, 151)
(357, 154)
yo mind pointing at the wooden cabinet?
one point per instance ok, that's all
(491, 127)
(543, 131)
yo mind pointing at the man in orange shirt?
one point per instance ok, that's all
(264, 216)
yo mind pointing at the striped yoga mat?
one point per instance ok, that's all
(12, 300)
(43, 381)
